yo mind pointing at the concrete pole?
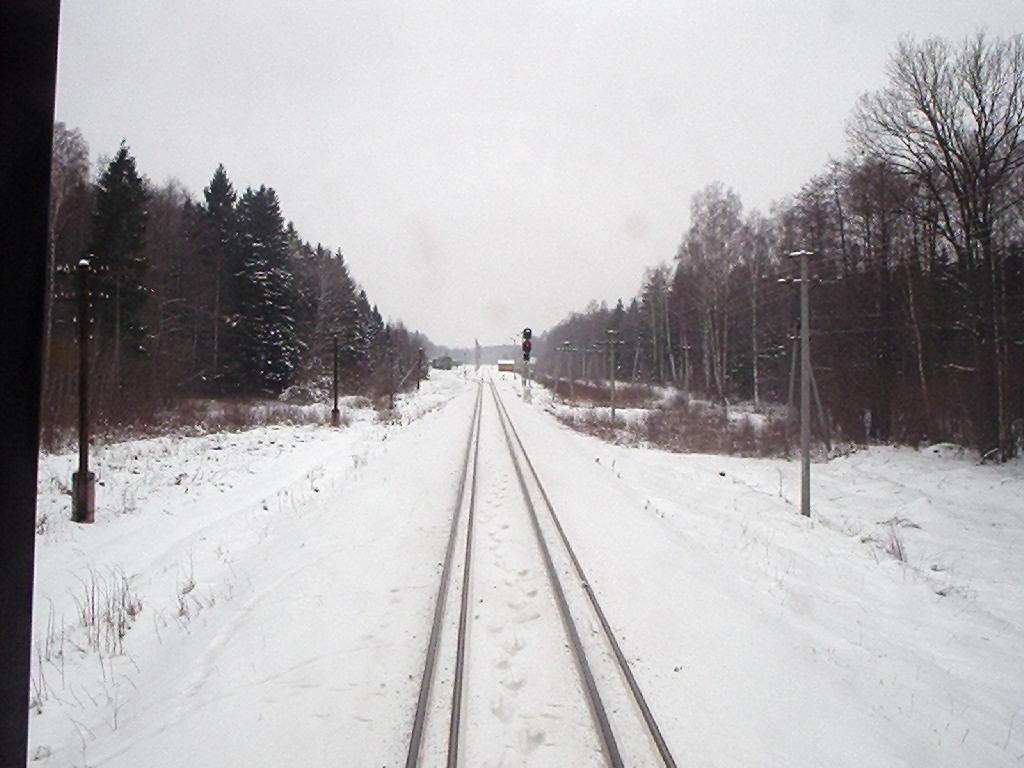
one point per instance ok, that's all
(83, 482)
(611, 346)
(558, 371)
(572, 387)
(567, 354)
(419, 369)
(805, 386)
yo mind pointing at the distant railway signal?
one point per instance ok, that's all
(527, 346)
(527, 333)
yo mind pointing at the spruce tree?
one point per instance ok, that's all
(352, 342)
(117, 244)
(376, 342)
(221, 263)
(268, 345)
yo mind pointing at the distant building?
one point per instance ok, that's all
(507, 365)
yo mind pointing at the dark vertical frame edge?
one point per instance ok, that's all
(28, 70)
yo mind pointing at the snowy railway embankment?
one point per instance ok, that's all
(181, 524)
(264, 597)
(890, 625)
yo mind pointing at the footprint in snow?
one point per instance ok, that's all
(501, 709)
(495, 627)
(532, 738)
(513, 646)
(514, 684)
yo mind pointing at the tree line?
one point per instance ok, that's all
(212, 297)
(917, 296)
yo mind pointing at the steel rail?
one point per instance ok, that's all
(597, 709)
(416, 737)
(460, 654)
(634, 686)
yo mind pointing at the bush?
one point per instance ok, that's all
(627, 395)
(189, 417)
(687, 428)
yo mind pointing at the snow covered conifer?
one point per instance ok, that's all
(268, 344)
(352, 341)
(117, 243)
(222, 265)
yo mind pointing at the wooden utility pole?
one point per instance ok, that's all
(419, 369)
(83, 482)
(392, 378)
(335, 413)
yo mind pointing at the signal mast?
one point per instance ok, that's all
(527, 347)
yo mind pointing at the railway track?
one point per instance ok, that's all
(585, 705)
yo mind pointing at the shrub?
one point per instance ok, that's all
(687, 427)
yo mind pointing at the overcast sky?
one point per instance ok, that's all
(488, 165)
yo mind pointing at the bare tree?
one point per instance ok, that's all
(760, 242)
(951, 118)
(69, 192)
(709, 251)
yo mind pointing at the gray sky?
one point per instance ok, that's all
(488, 165)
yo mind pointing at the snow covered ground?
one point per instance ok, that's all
(263, 598)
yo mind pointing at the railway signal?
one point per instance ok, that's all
(527, 348)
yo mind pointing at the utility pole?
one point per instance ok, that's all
(805, 385)
(557, 371)
(392, 385)
(83, 482)
(335, 413)
(419, 369)
(569, 349)
(612, 333)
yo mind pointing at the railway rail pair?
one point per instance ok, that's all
(570, 574)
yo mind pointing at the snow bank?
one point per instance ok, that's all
(263, 597)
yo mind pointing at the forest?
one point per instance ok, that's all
(212, 298)
(917, 278)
